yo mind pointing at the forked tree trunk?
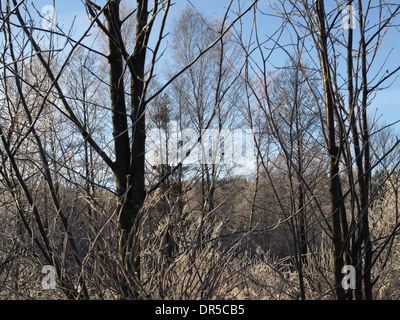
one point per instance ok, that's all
(129, 153)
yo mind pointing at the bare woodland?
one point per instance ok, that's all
(78, 190)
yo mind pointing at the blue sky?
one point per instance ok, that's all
(386, 105)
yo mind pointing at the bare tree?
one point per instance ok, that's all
(346, 124)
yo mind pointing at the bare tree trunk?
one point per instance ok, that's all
(335, 188)
(364, 180)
